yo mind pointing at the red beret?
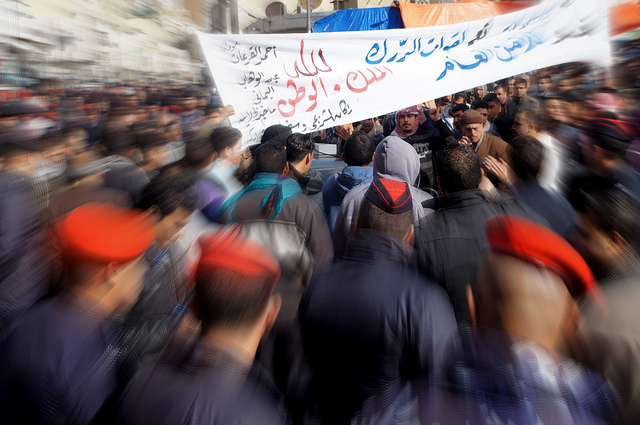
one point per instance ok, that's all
(104, 233)
(540, 246)
(230, 253)
(391, 196)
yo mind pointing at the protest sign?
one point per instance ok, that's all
(315, 81)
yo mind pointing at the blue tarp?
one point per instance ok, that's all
(375, 18)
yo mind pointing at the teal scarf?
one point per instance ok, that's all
(283, 188)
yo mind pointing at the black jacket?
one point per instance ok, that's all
(451, 242)
(369, 320)
(202, 384)
(24, 259)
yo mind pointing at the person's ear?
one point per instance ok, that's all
(273, 308)
(308, 158)
(471, 305)
(286, 169)
(617, 242)
(343, 159)
(409, 238)
(154, 213)
(110, 271)
(569, 331)
(597, 151)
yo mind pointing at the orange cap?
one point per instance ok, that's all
(242, 257)
(104, 233)
(540, 246)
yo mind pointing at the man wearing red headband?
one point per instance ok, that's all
(63, 353)
(371, 320)
(510, 367)
(425, 140)
(214, 378)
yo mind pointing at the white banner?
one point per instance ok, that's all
(315, 81)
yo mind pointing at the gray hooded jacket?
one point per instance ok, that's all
(394, 159)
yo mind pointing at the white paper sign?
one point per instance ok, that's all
(315, 81)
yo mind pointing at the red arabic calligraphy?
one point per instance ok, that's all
(299, 95)
(304, 69)
(353, 77)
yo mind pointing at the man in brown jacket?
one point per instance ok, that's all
(482, 143)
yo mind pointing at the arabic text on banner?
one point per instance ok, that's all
(315, 81)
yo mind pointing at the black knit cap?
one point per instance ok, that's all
(276, 133)
(391, 196)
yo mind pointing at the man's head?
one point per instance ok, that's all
(154, 147)
(478, 92)
(566, 84)
(407, 119)
(511, 83)
(189, 102)
(607, 221)
(120, 142)
(526, 282)
(174, 130)
(102, 245)
(367, 125)
(544, 83)
(170, 200)
(271, 157)
(493, 106)
(358, 150)
(19, 150)
(520, 87)
(233, 291)
(482, 107)
(526, 123)
(525, 157)
(212, 112)
(575, 106)
(553, 109)
(86, 166)
(458, 99)
(92, 113)
(458, 168)
(472, 124)
(457, 111)
(199, 154)
(300, 151)
(276, 132)
(396, 159)
(501, 93)
(227, 142)
(75, 140)
(608, 144)
(388, 208)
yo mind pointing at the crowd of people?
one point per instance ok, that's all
(475, 261)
